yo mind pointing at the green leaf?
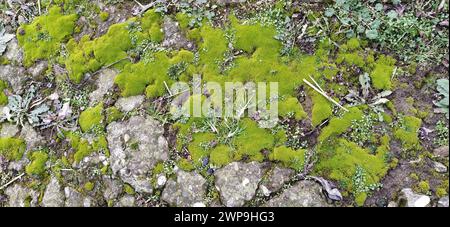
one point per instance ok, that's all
(371, 34)
(329, 12)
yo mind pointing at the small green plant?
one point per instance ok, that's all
(26, 109)
(442, 88)
(362, 130)
(175, 71)
(441, 138)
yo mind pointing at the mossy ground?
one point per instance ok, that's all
(239, 50)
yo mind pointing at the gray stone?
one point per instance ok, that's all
(439, 167)
(13, 52)
(21, 197)
(53, 196)
(136, 146)
(173, 37)
(443, 202)
(278, 178)
(105, 83)
(126, 201)
(237, 182)
(408, 198)
(31, 137)
(188, 190)
(73, 198)
(161, 180)
(302, 194)
(129, 103)
(441, 151)
(14, 75)
(229, 2)
(9, 130)
(38, 68)
(113, 188)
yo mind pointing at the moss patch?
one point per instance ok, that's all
(12, 148)
(288, 157)
(407, 132)
(42, 39)
(37, 165)
(91, 117)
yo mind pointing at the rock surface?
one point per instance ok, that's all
(126, 201)
(9, 130)
(53, 196)
(136, 146)
(105, 83)
(277, 179)
(129, 103)
(439, 167)
(73, 198)
(14, 75)
(21, 197)
(443, 202)
(410, 199)
(113, 188)
(31, 137)
(302, 194)
(173, 37)
(441, 151)
(237, 182)
(188, 190)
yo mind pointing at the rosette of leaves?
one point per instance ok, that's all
(4, 39)
(442, 105)
(26, 109)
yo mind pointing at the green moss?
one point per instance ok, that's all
(150, 77)
(91, 117)
(185, 165)
(288, 157)
(12, 148)
(252, 37)
(89, 186)
(339, 125)
(128, 189)
(353, 44)
(42, 39)
(360, 198)
(221, 155)
(414, 176)
(322, 109)
(4, 61)
(424, 187)
(407, 133)
(83, 148)
(111, 49)
(355, 168)
(3, 97)
(113, 114)
(352, 59)
(37, 165)
(159, 168)
(183, 20)
(200, 147)
(440, 192)
(291, 107)
(382, 73)
(104, 16)
(252, 141)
